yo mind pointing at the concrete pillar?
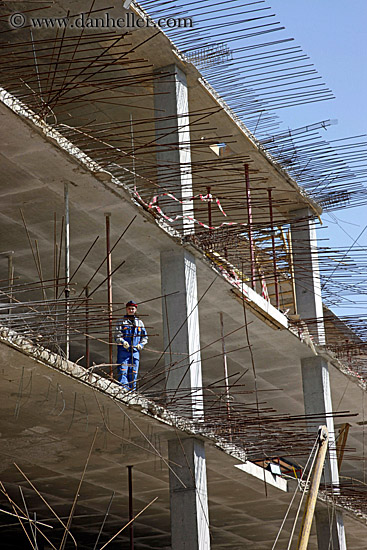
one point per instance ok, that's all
(315, 370)
(181, 328)
(189, 501)
(188, 494)
(317, 400)
(173, 143)
(330, 529)
(306, 272)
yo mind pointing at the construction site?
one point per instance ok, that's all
(142, 160)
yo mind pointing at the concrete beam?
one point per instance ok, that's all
(306, 272)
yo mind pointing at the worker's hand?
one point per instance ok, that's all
(126, 345)
(139, 347)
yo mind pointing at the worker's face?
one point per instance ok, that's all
(131, 310)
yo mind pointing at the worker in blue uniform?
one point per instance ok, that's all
(131, 337)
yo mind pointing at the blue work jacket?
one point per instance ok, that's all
(131, 330)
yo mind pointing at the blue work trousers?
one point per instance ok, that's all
(128, 367)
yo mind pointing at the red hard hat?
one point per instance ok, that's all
(131, 303)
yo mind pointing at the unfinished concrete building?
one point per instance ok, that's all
(124, 175)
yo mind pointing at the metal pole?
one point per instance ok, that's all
(67, 270)
(55, 256)
(342, 441)
(225, 364)
(87, 357)
(11, 279)
(132, 148)
(109, 292)
(291, 265)
(276, 284)
(209, 207)
(249, 220)
(314, 489)
(131, 512)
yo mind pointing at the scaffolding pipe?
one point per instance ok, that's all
(225, 365)
(131, 512)
(249, 219)
(209, 208)
(291, 263)
(109, 292)
(87, 351)
(276, 283)
(10, 279)
(67, 269)
(55, 257)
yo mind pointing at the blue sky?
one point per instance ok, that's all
(334, 35)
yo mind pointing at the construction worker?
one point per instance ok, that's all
(131, 337)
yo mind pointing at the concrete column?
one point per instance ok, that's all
(173, 143)
(181, 328)
(317, 400)
(306, 272)
(330, 529)
(188, 494)
(189, 501)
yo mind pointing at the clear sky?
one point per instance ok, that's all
(334, 34)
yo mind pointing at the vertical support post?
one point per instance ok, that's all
(67, 269)
(188, 497)
(306, 272)
(189, 506)
(341, 443)
(57, 275)
(275, 272)
(188, 494)
(55, 257)
(173, 150)
(291, 263)
(249, 223)
(87, 350)
(315, 370)
(330, 529)
(314, 489)
(131, 509)
(225, 365)
(133, 149)
(181, 327)
(209, 207)
(11, 281)
(318, 406)
(109, 293)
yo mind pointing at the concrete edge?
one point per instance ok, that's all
(264, 475)
(114, 390)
